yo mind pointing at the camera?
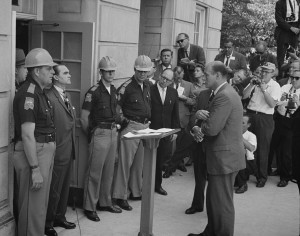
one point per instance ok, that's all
(256, 82)
(291, 105)
(291, 18)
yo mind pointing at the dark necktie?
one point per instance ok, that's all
(227, 60)
(186, 54)
(66, 100)
(211, 97)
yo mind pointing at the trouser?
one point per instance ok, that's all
(99, 177)
(243, 175)
(281, 145)
(184, 142)
(284, 39)
(130, 166)
(59, 193)
(219, 205)
(33, 204)
(200, 174)
(262, 126)
(163, 153)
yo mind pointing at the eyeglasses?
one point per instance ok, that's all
(296, 78)
(180, 40)
(166, 79)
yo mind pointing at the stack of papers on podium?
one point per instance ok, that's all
(147, 131)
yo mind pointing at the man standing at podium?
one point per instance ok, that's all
(224, 149)
(164, 114)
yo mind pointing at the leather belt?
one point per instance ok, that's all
(138, 119)
(106, 125)
(257, 112)
(47, 138)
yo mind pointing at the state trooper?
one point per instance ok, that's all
(98, 119)
(35, 143)
(134, 105)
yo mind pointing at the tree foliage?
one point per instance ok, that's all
(247, 21)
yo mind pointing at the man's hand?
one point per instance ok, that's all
(197, 134)
(37, 179)
(295, 99)
(295, 30)
(263, 86)
(185, 61)
(202, 114)
(183, 97)
(283, 96)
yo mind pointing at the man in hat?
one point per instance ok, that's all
(21, 71)
(263, 94)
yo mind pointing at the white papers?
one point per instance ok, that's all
(147, 131)
(180, 90)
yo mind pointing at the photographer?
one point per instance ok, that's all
(281, 143)
(263, 94)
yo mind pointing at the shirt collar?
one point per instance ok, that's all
(59, 90)
(168, 67)
(188, 49)
(217, 89)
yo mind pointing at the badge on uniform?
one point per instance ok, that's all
(29, 103)
(88, 97)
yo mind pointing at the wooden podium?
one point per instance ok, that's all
(150, 143)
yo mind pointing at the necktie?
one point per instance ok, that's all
(163, 95)
(212, 95)
(227, 60)
(177, 86)
(186, 54)
(66, 100)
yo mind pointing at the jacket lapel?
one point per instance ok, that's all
(56, 93)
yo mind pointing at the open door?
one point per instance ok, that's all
(71, 43)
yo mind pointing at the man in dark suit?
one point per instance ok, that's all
(224, 150)
(166, 56)
(188, 55)
(164, 114)
(233, 60)
(287, 30)
(64, 121)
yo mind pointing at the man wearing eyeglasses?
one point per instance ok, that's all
(188, 55)
(263, 93)
(262, 56)
(233, 60)
(164, 114)
(282, 135)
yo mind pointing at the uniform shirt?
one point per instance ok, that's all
(32, 105)
(101, 104)
(134, 101)
(258, 102)
(251, 138)
(289, 89)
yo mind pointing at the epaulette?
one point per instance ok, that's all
(94, 87)
(122, 87)
(31, 88)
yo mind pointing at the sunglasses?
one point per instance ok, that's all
(296, 78)
(180, 41)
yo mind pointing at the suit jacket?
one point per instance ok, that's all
(185, 107)
(164, 115)
(64, 121)
(237, 64)
(197, 54)
(280, 15)
(223, 140)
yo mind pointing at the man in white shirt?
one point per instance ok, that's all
(264, 93)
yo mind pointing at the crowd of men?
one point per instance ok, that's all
(213, 105)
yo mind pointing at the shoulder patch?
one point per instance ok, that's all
(121, 89)
(31, 88)
(88, 97)
(94, 87)
(29, 103)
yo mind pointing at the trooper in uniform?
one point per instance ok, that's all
(21, 71)
(64, 121)
(134, 102)
(98, 119)
(35, 143)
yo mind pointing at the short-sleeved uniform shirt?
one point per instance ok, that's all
(100, 104)
(135, 101)
(32, 105)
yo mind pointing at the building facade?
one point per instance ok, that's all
(78, 33)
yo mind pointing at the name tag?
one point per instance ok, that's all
(180, 91)
(232, 58)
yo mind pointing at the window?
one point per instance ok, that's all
(199, 30)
